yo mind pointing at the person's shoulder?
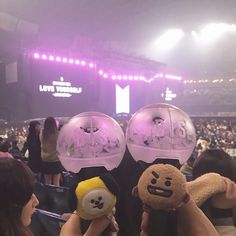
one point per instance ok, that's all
(5, 154)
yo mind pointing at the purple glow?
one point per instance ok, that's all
(58, 59)
(64, 60)
(51, 58)
(126, 76)
(36, 55)
(91, 65)
(83, 63)
(71, 61)
(44, 57)
(174, 77)
(100, 72)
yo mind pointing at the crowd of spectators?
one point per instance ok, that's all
(214, 132)
(219, 132)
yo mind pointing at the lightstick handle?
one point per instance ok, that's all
(160, 223)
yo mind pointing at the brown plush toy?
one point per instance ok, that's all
(161, 187)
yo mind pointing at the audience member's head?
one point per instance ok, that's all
(214, 160)
(14, 143)
(34, 127)
(17, 201)
(4, 147)
(50, 127)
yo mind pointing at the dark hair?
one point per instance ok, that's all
(214, 160)
(33, 135)
(16, 184)
(5, 147)
(50, 127)
(217, 161)
(32, 127)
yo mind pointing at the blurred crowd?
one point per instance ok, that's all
(218, 132)
(213, 132)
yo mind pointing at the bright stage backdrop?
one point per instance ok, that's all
(62, 90)
(66, 89)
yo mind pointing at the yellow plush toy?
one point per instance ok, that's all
(161, 187)
(96, 197)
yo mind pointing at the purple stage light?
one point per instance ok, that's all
(58, 59)
(174, 77)
(71, 61)
(51, 58)
(65, 60)
(83, 63)
(36, 55)
(44, 57)
(125, 77)
(100, 72)
(91, 65)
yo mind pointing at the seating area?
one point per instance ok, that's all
(46, 223)
(52, 198)
(53, 202)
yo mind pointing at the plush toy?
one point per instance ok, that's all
(161, 187)
(206, 186)
(96, 196)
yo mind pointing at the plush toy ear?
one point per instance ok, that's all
(135, 191)
(110, 183)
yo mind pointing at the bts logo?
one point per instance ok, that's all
(122, 99)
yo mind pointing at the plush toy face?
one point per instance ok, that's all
(162, 187)
(97, 201)
(94, 199)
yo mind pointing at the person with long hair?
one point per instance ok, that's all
(51, 165)
(18, 203)
(33, 145)
(17, 200)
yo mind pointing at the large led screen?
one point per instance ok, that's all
(61, 90)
